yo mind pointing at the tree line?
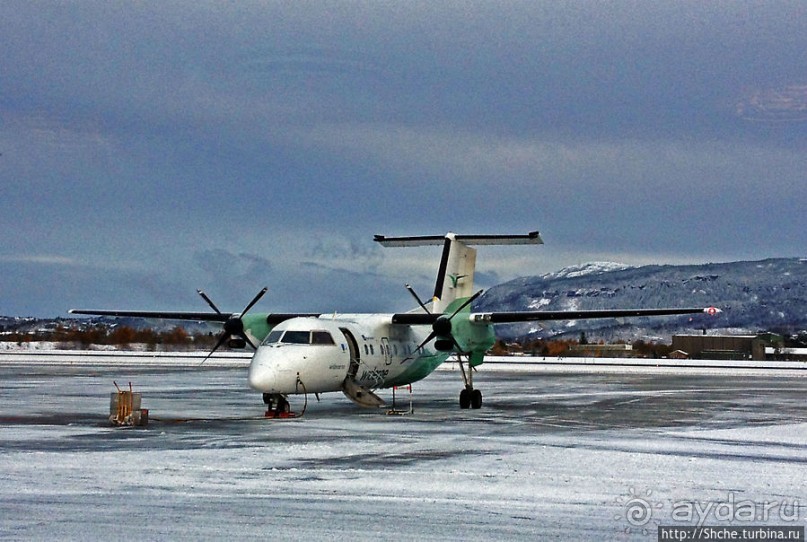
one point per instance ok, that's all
(120, 336)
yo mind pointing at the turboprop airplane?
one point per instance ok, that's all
(301, 353)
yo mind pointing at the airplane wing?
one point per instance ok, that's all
(196, 316)
(271, 318)
(533, 316)
(233, 323)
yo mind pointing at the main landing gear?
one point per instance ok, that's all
(469, 397)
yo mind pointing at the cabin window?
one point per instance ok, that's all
(321, 337)
(366, 350)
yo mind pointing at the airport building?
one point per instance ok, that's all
(735, 347)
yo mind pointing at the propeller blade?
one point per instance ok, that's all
(421, 345)
(434, 332)
(456, 345)
(467, 302)
(234, 326)
(243, 335)
(222, 338)
(209, 302)
(255, 300)
(417, 298)
(426, 341)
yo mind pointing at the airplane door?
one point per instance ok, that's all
(385, 349)
(355, 355)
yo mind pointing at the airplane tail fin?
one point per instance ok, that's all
(455, 276)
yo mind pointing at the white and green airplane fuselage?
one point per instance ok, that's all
(320, 354)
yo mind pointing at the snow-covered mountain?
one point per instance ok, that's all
(767, 295)
(586, 269)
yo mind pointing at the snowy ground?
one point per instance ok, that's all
(551, 455)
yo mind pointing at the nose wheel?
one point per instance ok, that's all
(277, 406)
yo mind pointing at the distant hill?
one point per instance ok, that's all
(767, 295)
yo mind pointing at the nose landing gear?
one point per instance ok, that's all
(277, 406)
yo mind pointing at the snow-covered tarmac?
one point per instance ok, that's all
(588, 454)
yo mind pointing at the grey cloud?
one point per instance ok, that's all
(189, 138)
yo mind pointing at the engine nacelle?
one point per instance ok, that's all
(442, 327)
(442, 330)
(237, 343)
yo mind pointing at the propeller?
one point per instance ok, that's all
(442, 328)
(417, 298)
(234, 325)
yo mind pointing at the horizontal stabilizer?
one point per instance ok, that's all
(455, 276)
(532, 238)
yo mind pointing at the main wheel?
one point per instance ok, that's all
(465, 398)
(476, 399)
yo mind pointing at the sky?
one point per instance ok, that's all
(148, 149)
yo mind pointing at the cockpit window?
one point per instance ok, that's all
(273, 337)
(295, 337)
(299, 337)
(321, 337)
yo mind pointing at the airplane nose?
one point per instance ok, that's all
(261, 375)
(256, 378)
